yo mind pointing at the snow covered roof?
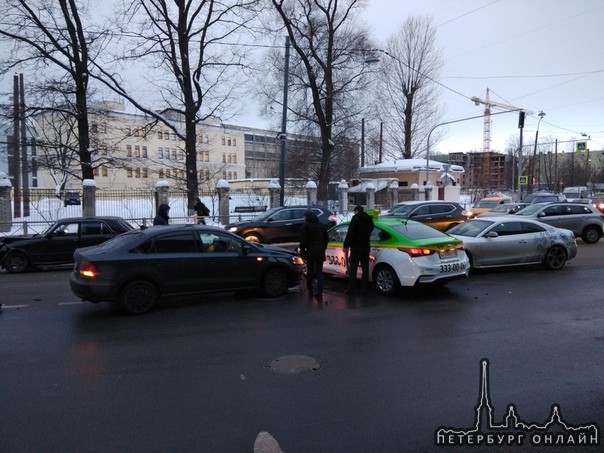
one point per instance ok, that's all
(409, 165)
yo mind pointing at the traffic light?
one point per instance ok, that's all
(521, 116)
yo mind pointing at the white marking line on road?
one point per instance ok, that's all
(71, 303)
(13, 306)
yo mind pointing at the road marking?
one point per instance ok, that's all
(71, 303)
(13, 306)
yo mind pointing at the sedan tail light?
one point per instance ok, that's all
(415, 252)
(88, 269)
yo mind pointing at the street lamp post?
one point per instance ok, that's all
(283, 134)
(541, 115)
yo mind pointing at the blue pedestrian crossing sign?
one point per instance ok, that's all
(523, 180)
(581, 147)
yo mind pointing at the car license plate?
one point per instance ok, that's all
(448, 254)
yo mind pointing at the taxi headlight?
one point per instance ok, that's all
(297, 261)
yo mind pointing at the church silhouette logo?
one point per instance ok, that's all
(513, 431)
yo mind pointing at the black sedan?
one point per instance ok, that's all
(280, 225)
(57, 244)
(138, 268)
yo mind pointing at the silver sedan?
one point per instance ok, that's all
(511, 241)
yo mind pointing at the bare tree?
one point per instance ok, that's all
(183, 53)
(326, 73)
(52, 40)
(407, 92)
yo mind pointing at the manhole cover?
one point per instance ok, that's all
(294, 364)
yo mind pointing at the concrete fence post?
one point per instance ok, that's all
(343, 193)
(428, 191)
(392, 193)
(223, 189)
(370, 190)
(311, 193)
(162, 193)
(89, 198)
(415, 192)
(6, 213)
(274, 191)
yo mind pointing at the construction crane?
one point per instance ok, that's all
(488, 104)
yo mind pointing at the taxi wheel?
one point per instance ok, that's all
(385, 280)
(555, 258)
(138, 297)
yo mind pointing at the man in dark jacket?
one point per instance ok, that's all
(313, 242)
(162, 215)
(357, 240)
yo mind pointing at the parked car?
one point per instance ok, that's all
(504, 209)
(72, 199)
(513, 240)
(487, 204)
(598, 202)
(544, 197)
(582, 219)
(403, 253)
(56, 245)
(138, 268)
(279, 225)
(438, 214)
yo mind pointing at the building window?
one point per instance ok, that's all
(234, 158)
(167, 153)
(137, 173)
(94, 128)
(145, 152)
(95, 172)
(128, 150)
(160, 135)
(224, 158)
(160, 153)
(137, 151)
(129, 172)
(234, 142)
(128, 132)
(173, 136)
(207, 139)
(223, 141)
(136, 132)
(160, 173)
(103, 149)
(235, 175)
(229, 142)
(174, 154)
(104, 171)
(168, 174)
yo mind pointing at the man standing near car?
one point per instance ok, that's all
(313, 243)
(357, 240)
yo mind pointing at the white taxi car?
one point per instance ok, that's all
(403, 253)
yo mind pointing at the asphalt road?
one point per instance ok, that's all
(350, 374)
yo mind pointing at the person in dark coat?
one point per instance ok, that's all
(162, 217)
(313, 243)
(357, 240)
(201, 210)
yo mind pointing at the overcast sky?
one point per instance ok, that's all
(541, 55)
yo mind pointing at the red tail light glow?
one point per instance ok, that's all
(89, 270)
(415, 252)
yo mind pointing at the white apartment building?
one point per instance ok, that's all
(135, 151)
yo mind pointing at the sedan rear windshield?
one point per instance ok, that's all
(415, 231)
